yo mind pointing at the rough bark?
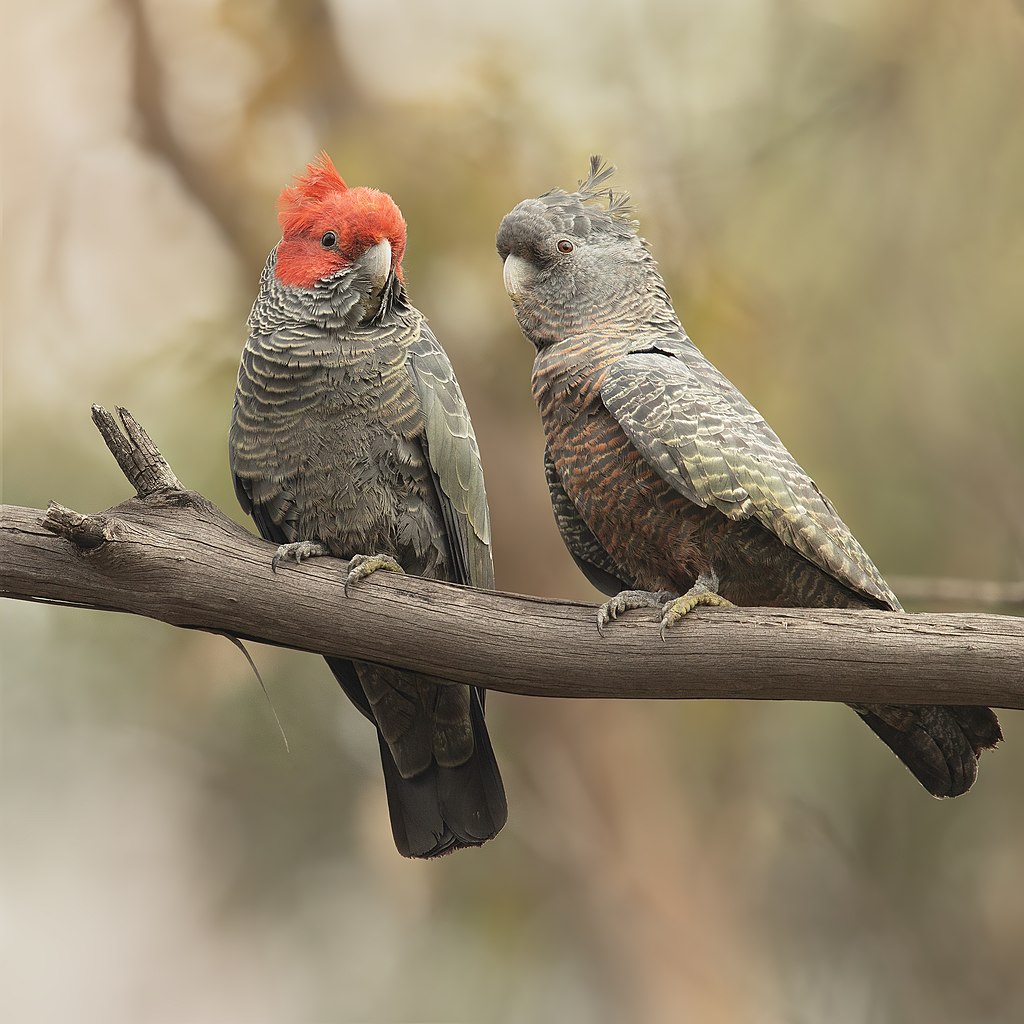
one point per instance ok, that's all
(170, 554)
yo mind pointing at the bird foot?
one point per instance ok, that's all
(627, 600)
(297, 553)
(362, 566)
(704, 591)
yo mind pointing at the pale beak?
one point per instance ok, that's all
(518, 274)
(376, 262)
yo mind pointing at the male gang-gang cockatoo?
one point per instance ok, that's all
(350, 437)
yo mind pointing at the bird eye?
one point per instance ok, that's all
(329, 239)
(565, 246)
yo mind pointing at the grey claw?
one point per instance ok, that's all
(627, 600)
(297, 552)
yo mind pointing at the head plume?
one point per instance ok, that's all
(594, 202)
(299, 205)
(594, 187)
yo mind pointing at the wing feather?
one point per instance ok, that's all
(454, 459)
(712, 446)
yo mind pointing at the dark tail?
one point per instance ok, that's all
(446, 809)
(441, 809)
(940, 745)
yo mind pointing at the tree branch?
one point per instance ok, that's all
(170, 554)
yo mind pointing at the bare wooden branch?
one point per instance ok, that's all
(174, 556)
(139, 458)
(86, 532)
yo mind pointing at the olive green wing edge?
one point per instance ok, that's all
(711, 445)
(454, 458)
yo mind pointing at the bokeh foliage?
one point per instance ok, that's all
(835, 192)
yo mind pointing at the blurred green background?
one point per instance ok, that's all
(835, 192)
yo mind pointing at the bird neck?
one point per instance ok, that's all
(337, 304)
(568, 374)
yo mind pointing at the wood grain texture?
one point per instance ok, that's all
(173, 556)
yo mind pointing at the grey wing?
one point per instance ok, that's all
(454, 460)
(712, 446)
(594, 562)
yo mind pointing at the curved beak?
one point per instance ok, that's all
(376, 262)
(518, 274)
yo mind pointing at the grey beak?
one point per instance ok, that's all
(518, 274)
(376, 261)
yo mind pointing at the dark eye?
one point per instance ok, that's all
(565, 246)
(329, 239)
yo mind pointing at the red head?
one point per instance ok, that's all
(325, 225)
